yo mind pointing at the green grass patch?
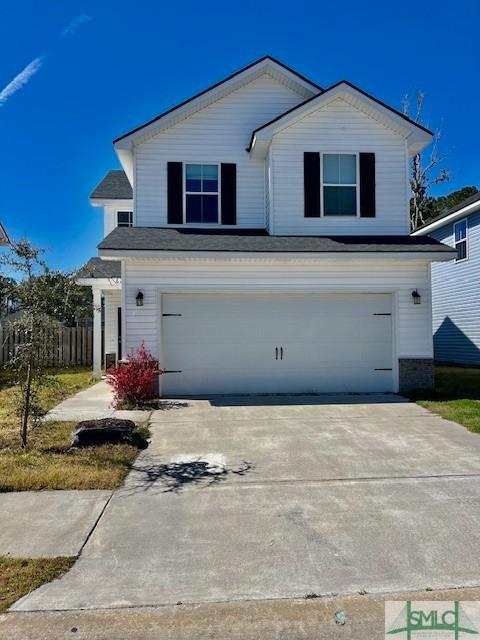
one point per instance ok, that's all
(49, 462)
(19, 576)
(456, 396)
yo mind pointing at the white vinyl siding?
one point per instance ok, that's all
(110, 215)
(413, 322)
(219, 133)
(339, 127)
(112, 302)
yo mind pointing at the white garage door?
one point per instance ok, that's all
(281, 343)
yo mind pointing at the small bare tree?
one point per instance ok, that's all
(424, 173)
(38, 294)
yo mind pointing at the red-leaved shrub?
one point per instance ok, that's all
(135, 381)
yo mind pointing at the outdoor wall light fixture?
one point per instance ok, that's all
(417, 298)
(139, 299)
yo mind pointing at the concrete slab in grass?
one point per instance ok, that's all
(47, 524)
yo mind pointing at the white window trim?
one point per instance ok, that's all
(123, 210)
(357, 186)
(455, 242)
(212, 193)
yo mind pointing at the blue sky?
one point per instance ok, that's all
(99, 68)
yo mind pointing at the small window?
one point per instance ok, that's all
(339, 177)
(124, 218)
(460, 237)
(201, 193)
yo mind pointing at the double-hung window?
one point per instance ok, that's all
(460, 237)
(124, 218)
(339, 184)
(201, 193)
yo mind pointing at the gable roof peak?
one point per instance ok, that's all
(418, 136)
(264, 64)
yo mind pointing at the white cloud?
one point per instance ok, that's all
(75, 24)
(20, 80)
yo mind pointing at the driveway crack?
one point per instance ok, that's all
(94, 526)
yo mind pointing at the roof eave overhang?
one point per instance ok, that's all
(116, 202)
(125, 155)
(100, 283)
(452, 217)
(417, 137)
(280, 256)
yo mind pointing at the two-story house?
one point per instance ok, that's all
(456, 284)
(258, 241)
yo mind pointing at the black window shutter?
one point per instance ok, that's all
(367, 185)
(229, 193)
(174, 192)
(311, 184)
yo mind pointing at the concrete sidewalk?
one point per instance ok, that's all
(48, 524)
(93, 403)
(296, 619)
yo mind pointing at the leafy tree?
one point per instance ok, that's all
(8, 295)
(44, 298)
(68, 303)
(442, 203)
(425, 169)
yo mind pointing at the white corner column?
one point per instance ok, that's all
(97, 332)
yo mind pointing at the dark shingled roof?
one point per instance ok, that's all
(258, 240)
(114, 186)
(457, 207)
(98, 268)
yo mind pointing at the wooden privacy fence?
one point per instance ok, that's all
(64, 346)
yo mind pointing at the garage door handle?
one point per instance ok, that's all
(276, 353)
(281, 353)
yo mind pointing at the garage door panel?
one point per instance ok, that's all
(337, 353)
(226, 343)
(232, 356)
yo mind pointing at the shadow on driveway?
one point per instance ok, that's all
(177, 475)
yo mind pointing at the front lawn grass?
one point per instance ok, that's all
(63, 383)
(456, 396)
(48, 462)
(19, 576)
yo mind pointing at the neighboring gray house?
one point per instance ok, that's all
(456, 284)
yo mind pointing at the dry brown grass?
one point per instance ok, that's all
(19, 576)
(48, 462)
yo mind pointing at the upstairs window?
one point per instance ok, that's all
(460, 238)
(124, 218)
(339, 184)
(201, 193)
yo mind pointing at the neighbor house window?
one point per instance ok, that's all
(339, 184)
(201, 193)
(124, 218)
(460, 237)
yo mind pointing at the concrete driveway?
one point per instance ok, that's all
(259, 498)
